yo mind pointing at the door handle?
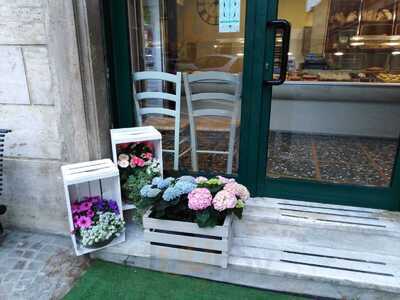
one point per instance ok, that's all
(285, 26)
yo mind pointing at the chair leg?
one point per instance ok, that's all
(193, 147)
(232, 136)
(176, 149)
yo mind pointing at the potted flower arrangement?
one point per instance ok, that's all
(200, 200)
(190, 218)
(137, 166)
(97, 221)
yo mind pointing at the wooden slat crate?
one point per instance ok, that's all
(88, 179)
(186, 241)
(134, 135)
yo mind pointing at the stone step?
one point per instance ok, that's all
(307, 248)
(322, 225)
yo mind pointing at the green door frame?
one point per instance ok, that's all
(256, 119)
(256, 107)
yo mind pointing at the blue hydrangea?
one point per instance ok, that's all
(186, 178)
(163, 184)
(171, 193)
(185, 187)
(149, 192)
(156, 180)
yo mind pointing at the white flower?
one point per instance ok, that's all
(123, 163)
(123, 157)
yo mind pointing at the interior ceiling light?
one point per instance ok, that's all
(338, 53)
(397, 52)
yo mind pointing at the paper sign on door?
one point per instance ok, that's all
(229, 16)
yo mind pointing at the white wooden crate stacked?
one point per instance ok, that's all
(135, 135)
(187, 242)
(89, 179)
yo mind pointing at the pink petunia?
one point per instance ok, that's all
(84, 206)
(75, 208)
(90, 213)
(84, 222)
(75, 219)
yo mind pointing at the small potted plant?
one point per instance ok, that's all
(137, 166)
(190, 218)
(97, 221)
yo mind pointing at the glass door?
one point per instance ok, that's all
(202, 41)
(330, 132)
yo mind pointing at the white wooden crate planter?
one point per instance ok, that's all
(135, 135)
(89, 179)
(187, 241)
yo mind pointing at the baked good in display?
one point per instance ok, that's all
(310, 77)
(389, 78)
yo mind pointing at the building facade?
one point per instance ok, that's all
(329, 134)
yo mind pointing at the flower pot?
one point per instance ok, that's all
(186, 241)
(100, 244)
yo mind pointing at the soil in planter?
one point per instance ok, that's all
(181, 212)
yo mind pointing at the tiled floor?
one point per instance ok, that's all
(334, 159)
(37, 266)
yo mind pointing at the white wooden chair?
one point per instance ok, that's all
(157, 115)
(223, 107)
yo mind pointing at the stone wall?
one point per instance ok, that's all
(42, 102)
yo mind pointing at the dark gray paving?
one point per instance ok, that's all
(36, 266)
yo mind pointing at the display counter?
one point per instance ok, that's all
(338, 91)
(337, 108)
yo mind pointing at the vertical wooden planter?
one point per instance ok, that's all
(187, 241)
(88, 179)
(135, 135)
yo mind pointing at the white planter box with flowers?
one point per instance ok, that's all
(92, 192)
(190, 218)
(137, 152)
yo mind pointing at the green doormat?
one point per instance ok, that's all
(110, 281)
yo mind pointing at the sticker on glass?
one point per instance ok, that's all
(229, 16)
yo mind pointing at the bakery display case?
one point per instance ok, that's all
(354, 41)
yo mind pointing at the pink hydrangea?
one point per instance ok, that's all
(225, 180)
(224, 200)
(199, 199)
(238, 189)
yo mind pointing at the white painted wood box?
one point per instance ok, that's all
(187, 241)
(88, 179)
(134, 135)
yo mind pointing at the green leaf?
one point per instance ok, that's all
(202, 219)
(238, 212)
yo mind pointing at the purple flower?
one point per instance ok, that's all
(84, 222)
(100, 204)
(113, 206)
